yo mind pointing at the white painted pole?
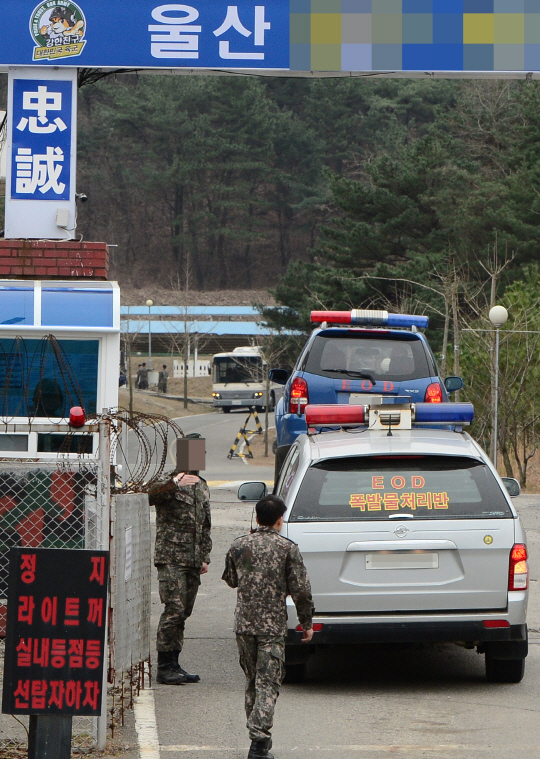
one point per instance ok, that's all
(496, 403)
(106, 545)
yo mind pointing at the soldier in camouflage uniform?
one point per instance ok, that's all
(182, 554)
(266, 567)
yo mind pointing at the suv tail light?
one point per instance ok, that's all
(433, 393)
(518, 575)
(299, 396)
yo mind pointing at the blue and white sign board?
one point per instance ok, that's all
(146, 33)
(40, 182)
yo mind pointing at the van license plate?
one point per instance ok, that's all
(398, 560)
(363, 399)
(236, 403)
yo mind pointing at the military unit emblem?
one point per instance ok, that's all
(58, 28)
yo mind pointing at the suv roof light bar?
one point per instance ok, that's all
(419, 414)
(369, 318)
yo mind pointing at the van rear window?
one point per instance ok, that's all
(381, 357)
(381, 487)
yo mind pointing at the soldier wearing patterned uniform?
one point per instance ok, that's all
(266, 567)
(182, 555)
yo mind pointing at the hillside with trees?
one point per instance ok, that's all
(413, 195)
(232, 176)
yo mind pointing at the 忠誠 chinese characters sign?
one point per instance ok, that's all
(57, 613)
(42, 148)
(298, 35)
(41, 139)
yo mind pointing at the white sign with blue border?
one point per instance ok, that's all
(41, 153)
(41, 139)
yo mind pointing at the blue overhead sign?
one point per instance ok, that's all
(145, 34)
(41, 139)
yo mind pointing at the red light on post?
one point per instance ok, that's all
(77, 417)
(433, 393)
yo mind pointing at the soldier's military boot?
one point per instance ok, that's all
(260, 749)
(178, 668)
(167, 673)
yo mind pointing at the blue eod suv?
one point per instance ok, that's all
(352, 357)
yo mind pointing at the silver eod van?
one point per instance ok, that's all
(408, 534)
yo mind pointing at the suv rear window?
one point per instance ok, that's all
(379, 487)
(382, 357)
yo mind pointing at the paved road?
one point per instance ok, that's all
(220, 431)
(371, 701)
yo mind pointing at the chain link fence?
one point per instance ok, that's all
(48, 505)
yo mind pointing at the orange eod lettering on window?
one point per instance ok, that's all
(393, 501)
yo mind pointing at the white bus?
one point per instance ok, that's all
(239, 380)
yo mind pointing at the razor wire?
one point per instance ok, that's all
(142, 442)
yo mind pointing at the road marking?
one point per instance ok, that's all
(145, 724)
(196, 748)
(379, 748)
(223, 484)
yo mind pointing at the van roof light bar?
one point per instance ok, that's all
(368, 318)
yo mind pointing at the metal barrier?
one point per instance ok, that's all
(243, 433)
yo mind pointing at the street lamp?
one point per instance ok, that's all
(497, 316)
(149, 303)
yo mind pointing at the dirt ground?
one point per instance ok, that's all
(257, 446)
(163, 296)
(152, 403)
(198, 387)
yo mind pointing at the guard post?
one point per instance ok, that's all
(55, 642)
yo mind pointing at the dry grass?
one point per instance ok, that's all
(148, 403)
(198, 387)
(257, 446)
(163, 296)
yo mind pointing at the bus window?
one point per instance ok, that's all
(238, 369)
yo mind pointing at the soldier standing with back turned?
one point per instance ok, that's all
(182, 555)
(266, 567)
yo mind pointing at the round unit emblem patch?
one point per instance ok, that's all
(58, 28)
(488, 540)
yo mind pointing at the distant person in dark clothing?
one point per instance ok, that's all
(143, 377)
(122, 379)
(163, 379)
(138, 380)
(48, 398)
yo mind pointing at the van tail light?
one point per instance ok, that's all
(433, 393)
(317, 627)
(518, 576)
(493, 623)
(299, 396)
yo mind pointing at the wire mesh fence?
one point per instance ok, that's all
(47, 505)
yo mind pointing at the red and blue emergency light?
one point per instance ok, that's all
(368, 318)
(355, 416)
